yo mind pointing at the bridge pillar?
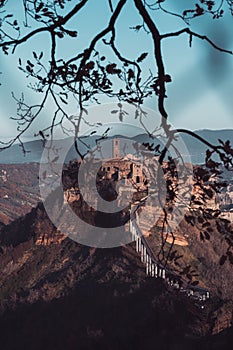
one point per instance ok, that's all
(150, 266)
(142, 252)
(147, 270)
(153, 269)
(140, 244)
(144, 255)
(136, 242)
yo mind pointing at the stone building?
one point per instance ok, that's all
(127, 168)
(127, 171)
(116, 148)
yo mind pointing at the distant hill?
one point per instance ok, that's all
(196, 148)
(15, 154)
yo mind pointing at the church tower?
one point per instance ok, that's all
(116, 148)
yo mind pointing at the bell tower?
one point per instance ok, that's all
(116, 148)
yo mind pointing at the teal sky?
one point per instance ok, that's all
(200, 95)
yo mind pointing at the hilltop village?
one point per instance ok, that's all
(127, 170)
(125, 178)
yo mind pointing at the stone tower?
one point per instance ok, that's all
(116, 148)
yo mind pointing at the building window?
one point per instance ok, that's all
(137, 179)
(108, 168)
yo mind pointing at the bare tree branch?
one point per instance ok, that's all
(110, 5)
(87, 52)
(60, 22)
(191, 33)
(159, 61)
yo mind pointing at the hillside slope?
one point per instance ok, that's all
(56, 293)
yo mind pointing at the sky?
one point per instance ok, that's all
(200, 94)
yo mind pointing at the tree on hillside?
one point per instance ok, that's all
(88, 77)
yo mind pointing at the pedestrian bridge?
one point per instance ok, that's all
(156, 270)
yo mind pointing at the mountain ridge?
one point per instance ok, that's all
(195, 147)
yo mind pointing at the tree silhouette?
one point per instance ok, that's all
(88, 77)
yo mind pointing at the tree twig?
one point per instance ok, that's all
(191, 33)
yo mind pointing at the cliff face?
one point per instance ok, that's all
(35, 255)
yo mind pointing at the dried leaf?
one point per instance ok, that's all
(142, 57)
